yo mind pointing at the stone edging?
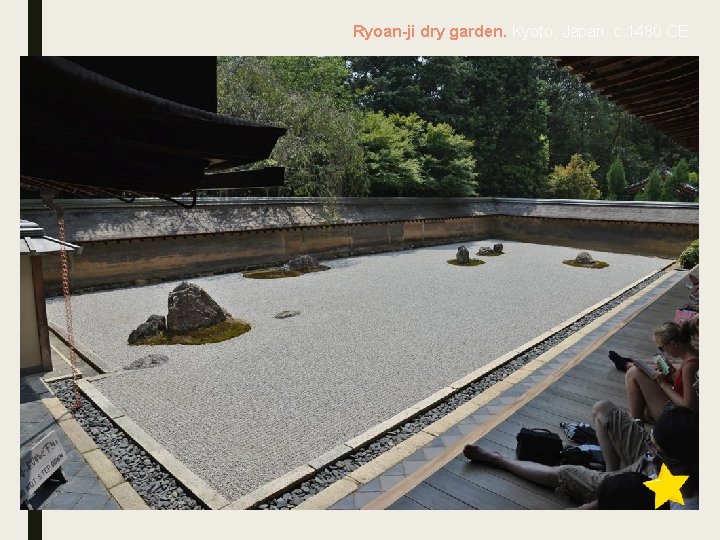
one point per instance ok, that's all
(87, 355)
(126, 497)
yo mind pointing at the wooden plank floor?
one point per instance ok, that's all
(464, 485)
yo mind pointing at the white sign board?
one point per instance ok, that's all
(38, 463)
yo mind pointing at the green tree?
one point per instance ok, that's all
(677, 177)
(407, 156)
(574, 180)
(393, 166)
(653, 188)
(447, 162)
(496, 102)
(616, 180)
(320, 75)
(321, 150)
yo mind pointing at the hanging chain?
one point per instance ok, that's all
(68, 306)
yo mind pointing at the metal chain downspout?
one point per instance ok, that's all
(68, 306)
(48, 200)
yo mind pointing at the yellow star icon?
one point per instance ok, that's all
(666, 487)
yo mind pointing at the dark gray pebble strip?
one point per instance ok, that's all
(158, 488)
(341, 468)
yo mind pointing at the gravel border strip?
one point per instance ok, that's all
(155, 485)
(341, 468)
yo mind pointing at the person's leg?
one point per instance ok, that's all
(621, 363)
(643, 392)
(623, 441)
(600, 412)
(538, 473)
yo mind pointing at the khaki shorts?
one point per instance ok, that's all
(630, 442)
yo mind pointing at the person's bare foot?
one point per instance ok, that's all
(480, 455)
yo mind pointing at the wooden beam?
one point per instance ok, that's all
(41, 315)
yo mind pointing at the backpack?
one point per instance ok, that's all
(539, 445)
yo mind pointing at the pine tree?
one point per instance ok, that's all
(653, 188)
(616, 180)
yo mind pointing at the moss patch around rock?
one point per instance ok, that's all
(276, 273)
(596, 264)
(216, 333)
(471, 262)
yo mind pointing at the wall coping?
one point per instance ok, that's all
(93, 220)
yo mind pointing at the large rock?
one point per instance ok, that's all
(190, 308)
(301, 263)
(486, 250)
(462, 256)
(497, 248)
(152, 327)
(584, 258)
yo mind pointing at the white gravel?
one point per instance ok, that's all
(376, 334)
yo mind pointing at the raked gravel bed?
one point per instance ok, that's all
(375, 335)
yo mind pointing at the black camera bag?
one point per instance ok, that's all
(539, 445)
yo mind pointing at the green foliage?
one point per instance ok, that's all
(406, 156)
(694, 179)
(447, 161)
(320, 75)
(496, 102)
(393, 167)
(581, 121)
(616, 180)
(690, 255)
(677, 177)
(653, 188)
(574, 180)
(450, 126)
(321, 150)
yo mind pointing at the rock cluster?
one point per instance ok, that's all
(189, 308)
(487, 250)
(584, 258)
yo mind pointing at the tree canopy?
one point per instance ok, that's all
(446, 126)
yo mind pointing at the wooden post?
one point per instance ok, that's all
(43, 330)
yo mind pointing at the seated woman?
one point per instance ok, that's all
(626, 446)
(666, 391)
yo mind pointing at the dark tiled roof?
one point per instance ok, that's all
(81, 131)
